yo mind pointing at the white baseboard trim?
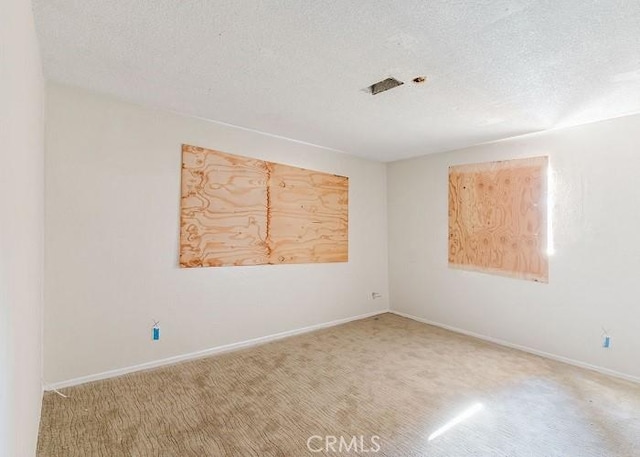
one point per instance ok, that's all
(500, 342)
(204, 353)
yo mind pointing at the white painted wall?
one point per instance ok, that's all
(21, 230)
(112, 222)
(594, 273)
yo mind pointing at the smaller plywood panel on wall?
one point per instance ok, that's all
(241, 211)
(498, 218)
(308, 216)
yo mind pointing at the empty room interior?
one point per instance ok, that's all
(291, 228)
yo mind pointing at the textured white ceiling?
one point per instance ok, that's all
(298, 68)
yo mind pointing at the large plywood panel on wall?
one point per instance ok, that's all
(498, 218)
(224, 221)
(241, 211)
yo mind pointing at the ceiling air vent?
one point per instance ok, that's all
(383, 85)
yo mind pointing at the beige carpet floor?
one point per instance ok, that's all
(405, 387)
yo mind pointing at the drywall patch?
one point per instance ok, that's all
(242, 211)
(498, 218)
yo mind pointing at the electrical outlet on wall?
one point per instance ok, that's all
(375, 295)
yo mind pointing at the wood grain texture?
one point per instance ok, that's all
(224, 220)
(308, 216)
(242, 211)
(498, 218)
